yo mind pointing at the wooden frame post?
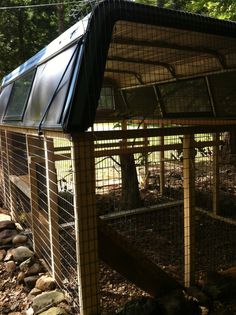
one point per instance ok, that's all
(83, 165)
(146, 168)
(32, 144)
(53, 220)
(12, 204)
(3, 161)
(162, 165)
(189, 209)
(216, 176)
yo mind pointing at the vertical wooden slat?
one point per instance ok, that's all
(32, 143)
(11, 203)
(3, 161)
(216, 179)
(146, 158)
(162, 166)
(189, 209)
(52, 196)
(83, 165)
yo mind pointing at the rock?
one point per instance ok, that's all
(45, 300)
(54, 311)
(9, 255)
(18, 226)
(21, 277)
(2, 254)
(30, 311)
(25, 265)
(36, 268)
(10, 266)
(34, 292)
(45, 283)
(6, 236)
(201, 297)
(30, 281)
(4, 217)
(6, 246)
(21, 253)
(10, 225)
(19, 239)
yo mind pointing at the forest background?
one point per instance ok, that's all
(26, 26)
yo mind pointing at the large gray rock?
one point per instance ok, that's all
(7, 225)
(22, 253)
(45, 300)
(54, 311)
(7, 235)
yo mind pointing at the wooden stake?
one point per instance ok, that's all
(189, 209)
(162, 165)
(83, 165)
(52, 197)
(216, 179)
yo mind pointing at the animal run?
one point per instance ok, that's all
(118, 152)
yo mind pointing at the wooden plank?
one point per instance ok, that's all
(12, 204)
(3, 161)
(52, 197)
(145, 149)
(127, 213)
(162, 165)
(22, 183)
(32, 143)
(216, 175)
(189, 209)
(216, 216)
(83, 166)
(155, 132)
(120, 254)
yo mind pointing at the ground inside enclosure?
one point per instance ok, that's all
(157, 230)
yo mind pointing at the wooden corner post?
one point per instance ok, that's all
(189, 209)
(53, 220)
(216, 176)
(83, 165)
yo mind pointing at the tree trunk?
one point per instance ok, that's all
(61, 18)
(130, 188)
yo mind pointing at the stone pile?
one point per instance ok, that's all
(18, 258)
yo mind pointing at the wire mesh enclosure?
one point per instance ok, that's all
(118, 153)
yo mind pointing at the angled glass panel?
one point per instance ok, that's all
(106, 100)
(4, 98)
(19, 97)
(142, 102)
(223, 89)
(50, 88)
(187, 96)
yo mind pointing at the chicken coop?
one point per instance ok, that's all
(118, 152)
